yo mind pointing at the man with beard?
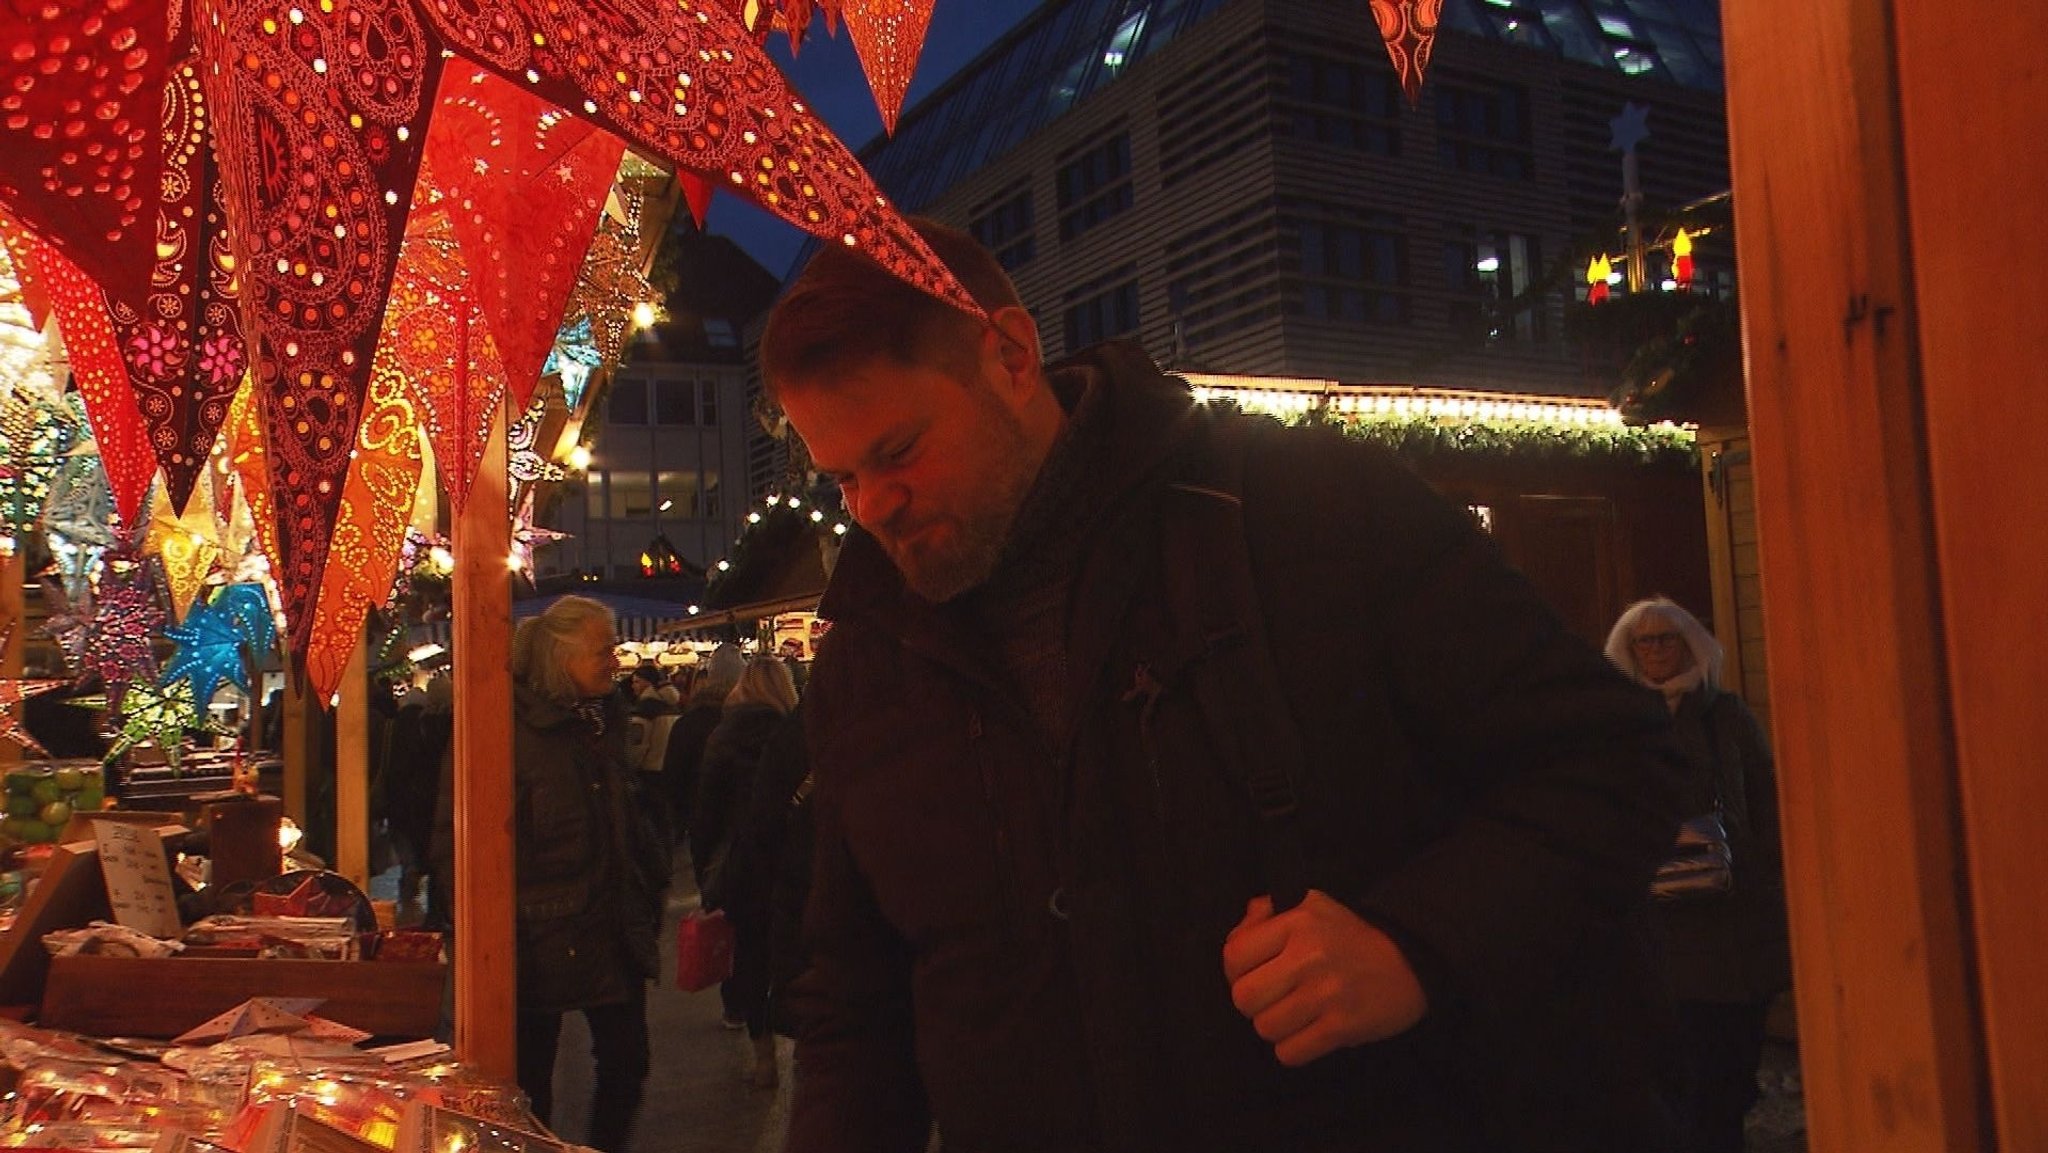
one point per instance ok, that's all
(1044, 907)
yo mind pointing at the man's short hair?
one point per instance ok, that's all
(845, 310)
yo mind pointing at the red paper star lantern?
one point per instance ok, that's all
(889, 35)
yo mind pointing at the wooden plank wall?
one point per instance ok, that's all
(1888, 168)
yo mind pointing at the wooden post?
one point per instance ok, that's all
(301, 744)
(485, 977)
(352, 771)
(1887, 170)
(1973, 106)
(14, 610)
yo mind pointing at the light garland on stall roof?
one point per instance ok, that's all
(1422, 422)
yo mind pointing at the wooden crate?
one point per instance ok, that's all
(165, 996)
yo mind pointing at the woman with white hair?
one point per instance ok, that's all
(591, 873)
(1727, 954)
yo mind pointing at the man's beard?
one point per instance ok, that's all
(982, 530)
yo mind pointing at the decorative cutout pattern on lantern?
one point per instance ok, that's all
(117, 645)
(375, 513)
(187, 545)
(78, 117)
(182, 338)
(244, 438)
(209, 653)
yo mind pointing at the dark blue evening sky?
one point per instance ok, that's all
(828, 75)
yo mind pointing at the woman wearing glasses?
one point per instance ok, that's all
(1726, 953)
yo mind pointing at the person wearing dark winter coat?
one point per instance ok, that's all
(754, 710)
(1042, 917)
(770, 860)
(591, 872)
(1727, 955)
(683, 759)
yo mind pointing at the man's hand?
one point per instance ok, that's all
(1318, 978)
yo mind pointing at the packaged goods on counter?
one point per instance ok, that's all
(259, 1091)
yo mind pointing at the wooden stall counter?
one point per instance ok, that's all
(165, 996)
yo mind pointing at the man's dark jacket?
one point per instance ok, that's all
(1024, 943)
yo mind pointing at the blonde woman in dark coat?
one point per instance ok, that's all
(1727, 955)
(591, 872)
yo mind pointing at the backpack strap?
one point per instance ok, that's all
(1215, 604)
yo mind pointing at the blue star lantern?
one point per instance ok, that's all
(1630, 128)
(209, 653)
(249, 607)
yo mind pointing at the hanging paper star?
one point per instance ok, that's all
(1629, 128)
(1409, 29)
(117, 645)
(13, 692)
(526, 466)
(158, 715)
(612, 282)
(574, 358)
(209, 653)
(69, 621)
(186, 544)
(35, 435)
(527, 536)
(247, 606)
(889, 36)
(80, 507)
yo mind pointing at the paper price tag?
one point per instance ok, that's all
(138, 879)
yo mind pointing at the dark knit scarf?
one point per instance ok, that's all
(590, 711)
(1023, 607)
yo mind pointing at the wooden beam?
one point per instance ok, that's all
(301, 748)
(485, 976)
(352, 771)
(1973, 108)
(1867, 767)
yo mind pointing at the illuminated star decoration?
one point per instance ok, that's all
(12, 693)
(573, 358)
(158, 715)
(525, 465)
(889, 36)
(248, 607)
(526, 537)
(1629, 129)
(1409, 29)
(69, 622)
(35, 434)
(118, 647)
(209, 653)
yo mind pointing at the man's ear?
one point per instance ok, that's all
(1016, 339)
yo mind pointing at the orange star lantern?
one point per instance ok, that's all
(1409, 28)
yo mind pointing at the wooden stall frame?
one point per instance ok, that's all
(485, 976)
(1888, 167)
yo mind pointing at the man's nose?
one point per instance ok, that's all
(875, 505)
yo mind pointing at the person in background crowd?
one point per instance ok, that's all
(681, 761)
(771, 857)
(591, 873)
(647, 736)
(1728, 956)
(645, 688)
(754, 710)
(1042, 912)
(405, 791)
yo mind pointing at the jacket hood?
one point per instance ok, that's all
(1147, 414)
